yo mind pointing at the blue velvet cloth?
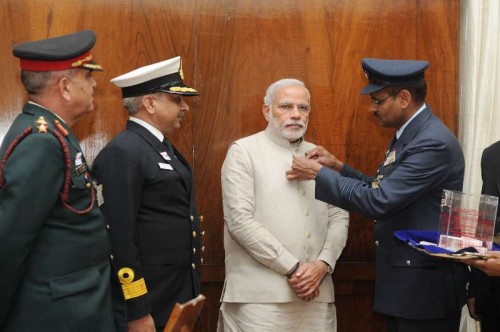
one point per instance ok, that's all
(414, 238)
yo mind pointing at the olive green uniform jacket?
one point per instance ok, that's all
(55, 271)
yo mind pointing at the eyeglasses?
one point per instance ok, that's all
(378, 102)
(288, 108)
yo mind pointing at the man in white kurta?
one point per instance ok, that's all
(281, 244)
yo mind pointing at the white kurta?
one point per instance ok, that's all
(272, 223)
(277, 317)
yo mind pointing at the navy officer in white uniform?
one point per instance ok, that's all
(149, 197)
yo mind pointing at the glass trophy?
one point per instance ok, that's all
(467, 220)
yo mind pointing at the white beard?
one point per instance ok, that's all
(281, 130)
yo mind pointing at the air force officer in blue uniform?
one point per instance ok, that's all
(414, 291)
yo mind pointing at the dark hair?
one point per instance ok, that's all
(418, 91)
(35, 81)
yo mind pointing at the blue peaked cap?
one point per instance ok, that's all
(383, 73)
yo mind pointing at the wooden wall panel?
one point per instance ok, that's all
(232, 51)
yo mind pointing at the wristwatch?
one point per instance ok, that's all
(328, 268)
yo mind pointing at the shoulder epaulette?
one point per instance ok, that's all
(42, 126)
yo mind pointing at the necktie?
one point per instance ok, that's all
(170, 148)
(178, 165)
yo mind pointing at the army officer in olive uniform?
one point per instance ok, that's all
(150, 200)
(54, 253)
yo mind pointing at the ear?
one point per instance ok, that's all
(64, 88)
(266, 110)
(149, 101)
(405, 96)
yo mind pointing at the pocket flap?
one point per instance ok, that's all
(79, 181)
(405, 256)
(74, 283)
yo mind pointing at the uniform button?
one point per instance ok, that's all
(375, 221)
(194, 251)
(194, 234)
(203, 249)
(202, 233)
(307, 257)
(376, 243)
(408, 263)
(308, 235)
(192, 218)
(107, 227)
(88, 184)
(306, 212)
(302, 192)
(193, 266)
(201, 218)
(201, 260)
(111, 257)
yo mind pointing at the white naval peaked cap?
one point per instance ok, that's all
(165, 76)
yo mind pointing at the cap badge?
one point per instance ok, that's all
(81, 62)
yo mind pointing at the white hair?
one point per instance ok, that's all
(285, 82)
(132, 104)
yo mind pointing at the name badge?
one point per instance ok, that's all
(165, 155)
(78, 159)
(165, 166)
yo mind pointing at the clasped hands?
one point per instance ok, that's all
(306, 168)
(306, 280)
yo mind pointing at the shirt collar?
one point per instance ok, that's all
(45, 108)
(149, 127)
(400, 131)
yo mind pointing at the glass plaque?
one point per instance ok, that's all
(467, 220)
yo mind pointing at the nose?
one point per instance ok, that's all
(295, 113)
(93, 82)
(184, 105)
